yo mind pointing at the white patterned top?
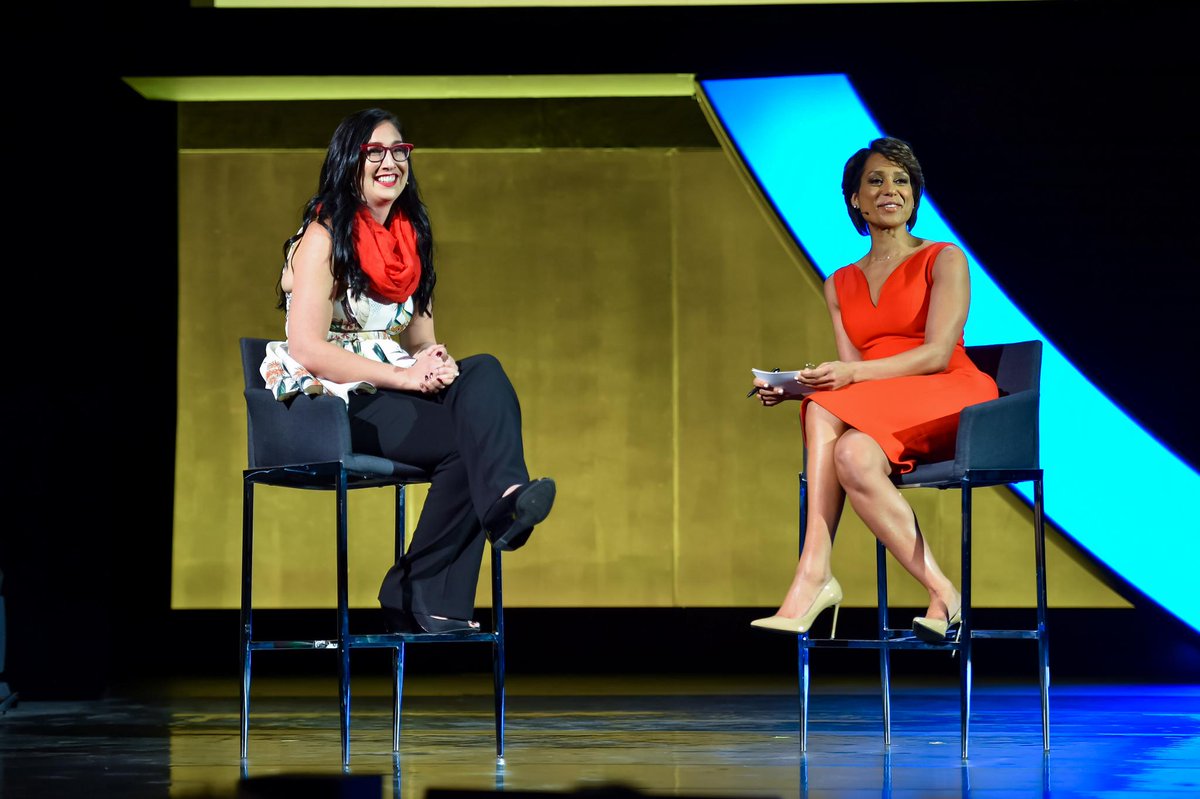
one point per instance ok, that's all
(360, 324)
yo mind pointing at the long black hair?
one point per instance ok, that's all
(339, 196)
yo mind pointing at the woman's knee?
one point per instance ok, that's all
(484, 360)
(482, 363)
(858, 459)
(484, 371)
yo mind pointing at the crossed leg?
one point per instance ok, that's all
(864, 472)
(825, 502)
(845, 462)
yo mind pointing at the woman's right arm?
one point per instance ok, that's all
(833, 374)
(846, 351)
(311, 312)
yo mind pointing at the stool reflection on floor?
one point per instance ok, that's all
(664, 735)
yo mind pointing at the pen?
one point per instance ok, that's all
(754, 390)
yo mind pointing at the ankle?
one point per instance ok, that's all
(944, 605)
(815, 562)
(813, 577)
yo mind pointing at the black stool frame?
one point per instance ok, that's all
(320, 419)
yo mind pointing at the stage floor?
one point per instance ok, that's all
(694, 736)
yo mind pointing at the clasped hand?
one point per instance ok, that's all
(432, 369)
(826, 376)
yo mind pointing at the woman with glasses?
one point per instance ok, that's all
(893, 395)
(357, 287)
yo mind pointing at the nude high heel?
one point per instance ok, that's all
(934, 631)
(830, 594)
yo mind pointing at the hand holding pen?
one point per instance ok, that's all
(755, 390)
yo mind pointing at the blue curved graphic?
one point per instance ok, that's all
(1146, 532)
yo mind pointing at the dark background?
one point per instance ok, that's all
(1055, 133)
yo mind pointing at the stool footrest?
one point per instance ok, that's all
(1034, 634)
(386, 640)
(911, 642)
(316, 644)
(904, 639)
(379, 640)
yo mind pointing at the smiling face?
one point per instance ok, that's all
(383, 181)
(885, 193)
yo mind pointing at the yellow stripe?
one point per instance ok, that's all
(200, 89)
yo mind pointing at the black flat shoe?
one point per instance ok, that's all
(512, 518)
(441, 624)
(403, 621)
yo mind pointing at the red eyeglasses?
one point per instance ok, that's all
(375, 151)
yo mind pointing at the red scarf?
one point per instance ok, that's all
(388, 255)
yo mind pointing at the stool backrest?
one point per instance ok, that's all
(1016, 366)
(297, 431)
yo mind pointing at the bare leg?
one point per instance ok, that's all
(825, 501)
(863, 470)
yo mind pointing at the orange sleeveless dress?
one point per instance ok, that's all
(914, 418)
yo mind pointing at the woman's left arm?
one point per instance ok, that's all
(949, 300)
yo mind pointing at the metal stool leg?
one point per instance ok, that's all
(1043, 642)
(398, 652)
(343, 618)
(247, 621)
(498, 654)
(965, 625)
(802, 641)
(885, 655)
(802, 644)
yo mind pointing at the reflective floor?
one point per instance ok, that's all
(689, 736)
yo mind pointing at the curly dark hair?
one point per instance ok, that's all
(339, 196)
(899, 153)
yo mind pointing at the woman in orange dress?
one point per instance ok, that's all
(893, 396)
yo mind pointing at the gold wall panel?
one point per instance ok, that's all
(627, 292)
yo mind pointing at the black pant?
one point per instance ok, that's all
(469, 437)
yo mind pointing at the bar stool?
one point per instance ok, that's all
(305, 444)
(997, 444)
